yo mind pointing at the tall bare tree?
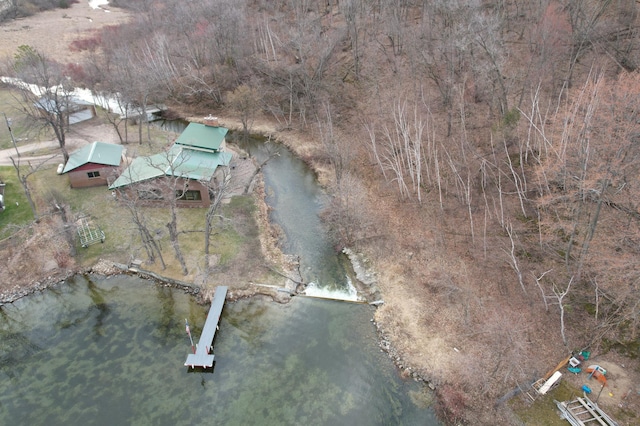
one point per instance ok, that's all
(245, 101)
(47, 93)
(23, 176)
(219, 192)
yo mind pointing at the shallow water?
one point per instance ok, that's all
(99, 351)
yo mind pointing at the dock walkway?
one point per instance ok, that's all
(581, 411)
(202, 357)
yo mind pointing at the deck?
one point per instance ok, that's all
(202, 357)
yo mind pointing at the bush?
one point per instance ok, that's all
(451, 404)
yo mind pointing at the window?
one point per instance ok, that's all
(189, 195)
(93, 174)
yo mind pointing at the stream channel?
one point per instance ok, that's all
(110, 350)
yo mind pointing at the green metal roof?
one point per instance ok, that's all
(198, 135)
(141, 169)
(97, 152)
(179, 161)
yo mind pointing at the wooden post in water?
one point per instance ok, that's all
(193, 348)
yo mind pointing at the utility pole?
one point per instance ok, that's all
(8, 120)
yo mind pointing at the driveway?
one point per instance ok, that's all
(26, 152)
(80, 135)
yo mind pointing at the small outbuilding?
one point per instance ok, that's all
(72, 108)
(94, 165)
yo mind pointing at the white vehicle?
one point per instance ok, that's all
(1, 203)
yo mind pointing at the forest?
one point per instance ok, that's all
(483, 154)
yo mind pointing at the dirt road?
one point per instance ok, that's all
(79, 135)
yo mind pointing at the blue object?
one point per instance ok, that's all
(574, 370)
(586, 389)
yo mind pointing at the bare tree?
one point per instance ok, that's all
(245, 101)
(68, 227)
(23, 176)
(219, 192)
(513, 257)
(271, 155)
(347, 214)
(560, 295)
(133, 198)
(399, 151)
(47, 93)
(352, 12)
(338, 148)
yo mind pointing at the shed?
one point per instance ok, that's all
(94, 164)
(74, 108)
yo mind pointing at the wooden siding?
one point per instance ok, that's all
(79, 178)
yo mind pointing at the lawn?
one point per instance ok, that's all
(17, 212)
(122, 242)
(543, 411)
(234, 241)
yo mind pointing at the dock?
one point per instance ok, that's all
(581, 411)
(203, 356)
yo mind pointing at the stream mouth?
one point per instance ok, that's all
(350, 294)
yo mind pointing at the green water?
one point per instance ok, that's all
(97, 351)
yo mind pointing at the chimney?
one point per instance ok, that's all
(211, 121)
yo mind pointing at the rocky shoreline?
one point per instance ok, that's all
(365, 282)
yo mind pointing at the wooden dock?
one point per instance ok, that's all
(202, 357)
(582, 411)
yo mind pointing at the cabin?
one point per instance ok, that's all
(184, 172)
(74, 109)
(95, 164)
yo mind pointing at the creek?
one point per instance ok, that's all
(110, 350)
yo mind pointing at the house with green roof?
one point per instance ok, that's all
(185, 171)
(207, 137)
(94, 165)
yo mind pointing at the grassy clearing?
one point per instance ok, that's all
(229, 238)
(17, 212)
(543, 411)
(160, 140)
(234, 241)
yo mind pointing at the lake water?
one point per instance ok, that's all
(110, 351)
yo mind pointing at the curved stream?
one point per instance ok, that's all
(110, 351)
(296, 201)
